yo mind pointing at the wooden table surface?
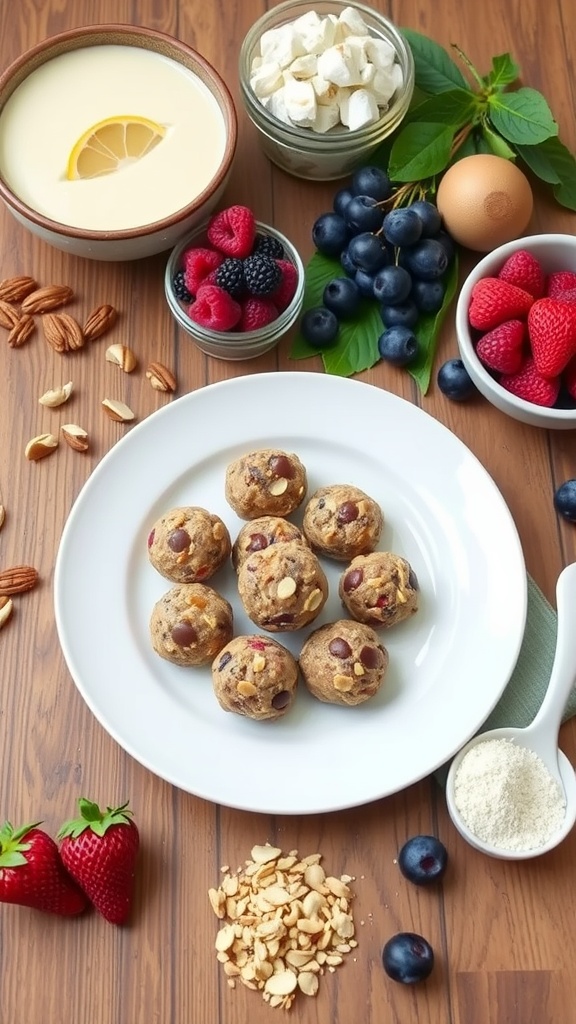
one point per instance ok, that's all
(502, 932)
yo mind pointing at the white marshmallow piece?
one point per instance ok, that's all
(304, 67)
(300, 101)
(351, 23)
(380, 52)
(281, 46)
(315, 33)
(358, 109)
(385, 83)
(340, 65)
(276, 106)
(265, 79)
(327, 117)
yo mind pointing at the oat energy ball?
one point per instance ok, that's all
(343, 662)
(262, 533)
(380, 589)
(267, 482)
(255, 676)
(190, 624)
(188, 544)
(341, 521)
(283, 587)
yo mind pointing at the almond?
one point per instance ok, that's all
(122, 356)
(21, 331)
(160, 377)
(117, 410)
(40, 446)
(51, 296)
(62, 332)
(17, 580)
(6, 606)
(100, 320)
(56, 396)
(75, 436)
(8, 315)
(15, 289)
(2, 516)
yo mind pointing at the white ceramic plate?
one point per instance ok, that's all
(449, 663)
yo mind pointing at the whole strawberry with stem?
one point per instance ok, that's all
(32, 873)
(99, 849)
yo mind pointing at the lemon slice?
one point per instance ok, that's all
(111, 144)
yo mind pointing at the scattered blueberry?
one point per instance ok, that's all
(402, 226)
(427, 260)
(342, 295)
(368, 251)
(408, 958)
(398, 345)
(403, 314)
(428, 213)
(371, 181)
(454, 381)
(330, 234)
(363, 214)
(423, 859)
(320, 327)
(428, 295)
(392, 284)
(565, 500)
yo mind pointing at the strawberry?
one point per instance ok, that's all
(528, 384)
(523, 270)
(560, 281)
(552, 334)
(257, 312)
(232, 231)
(32, 874)
(214, 308)
(286, 289)
(494, 301)
(99, 849)
(501, 348)
(198, 262)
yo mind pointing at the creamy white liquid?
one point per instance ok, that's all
(57, 103)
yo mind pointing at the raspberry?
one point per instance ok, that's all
(528, 384)
(501, 348)
(560, 281)
(523, 270)
(214, 308)
(268, 245)
(262, 275)
(230, 276)
(552, 333)
(494, 301)
(179, 287)
(287, 288)
(232, 231)
(256, 313)
(198, 262)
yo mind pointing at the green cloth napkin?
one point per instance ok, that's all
(525, 691)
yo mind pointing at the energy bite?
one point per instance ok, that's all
(380, 589)
(282, 587)
(261, 533)
(188, 544)
(255, 676)
(268, 481)
(341, 521)
(190, 624)
(343, 663)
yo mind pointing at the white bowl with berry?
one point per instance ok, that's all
(235, 285)
(516, 329)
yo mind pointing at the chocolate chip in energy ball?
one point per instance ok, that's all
(178, 540)
(282, 467)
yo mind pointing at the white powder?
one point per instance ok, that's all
(507, 797)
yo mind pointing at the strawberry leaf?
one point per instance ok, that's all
(420, 150)
(435, 71)
(504, 72)
(522, 117)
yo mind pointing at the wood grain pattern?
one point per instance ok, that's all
(503, 933)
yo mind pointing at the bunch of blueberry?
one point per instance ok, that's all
(396, 255)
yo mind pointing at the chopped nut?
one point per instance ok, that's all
(22, 330)
(117, 410)
(40, 446)
(75, 436)
(343, 683)
(286, 588)
(122, 356)
(6, 607)
(245, 688)
(278, 487)
(160, 377)
(100, 320)
(56, 396)
(314, 600)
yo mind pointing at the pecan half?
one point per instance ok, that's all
(9, 316)
(15, 289)
(100, 320)
(160, 377)
(42, 300)
(62, 332)
(23, 328)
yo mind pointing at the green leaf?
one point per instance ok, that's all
(455, 107)
(357, 347)
(522, 117)
(420, 151)
(504, 72)
(428, 331)
(553, 163)
(496, 144)
(435, 71)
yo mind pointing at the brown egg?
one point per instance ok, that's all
(484, 201)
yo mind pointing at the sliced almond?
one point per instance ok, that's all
(6, 608)
(117, 410)
(2, 516)
(76, 437)
(122, 356)
(56, 396)
(40, 446)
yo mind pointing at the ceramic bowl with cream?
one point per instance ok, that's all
(115, 140)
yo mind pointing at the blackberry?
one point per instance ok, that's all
(179, 287)
(262, 275)
(267, 245)
(230, 276)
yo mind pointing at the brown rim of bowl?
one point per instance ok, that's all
(127, 35)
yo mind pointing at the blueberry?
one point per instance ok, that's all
(403, 314)
(423, 859)
(368, 251)
(398, 345)
(341, 200)
(330, 234)
(447, 243)
(428, 213)
(408, 958)
(371, 181)
(347, 263)
(454, 381)
(392, 284)
(365, 283)
(428, 295)
(565, 500)
(426, 260)
(402, 226)
(319, 327)
(363, 214)
(342, 296)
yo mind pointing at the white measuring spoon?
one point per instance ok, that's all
(541, 735)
